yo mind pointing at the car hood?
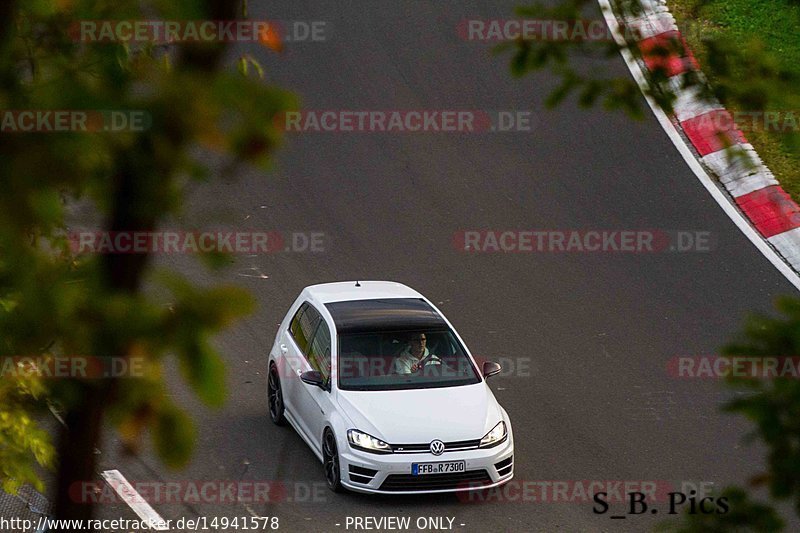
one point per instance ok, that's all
(421, 415)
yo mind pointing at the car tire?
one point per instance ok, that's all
(277, 408)
(330, 461)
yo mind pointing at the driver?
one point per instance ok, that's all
(414, 356)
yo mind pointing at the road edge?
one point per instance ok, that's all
(751, 197)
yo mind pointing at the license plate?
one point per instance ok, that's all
(421, 469)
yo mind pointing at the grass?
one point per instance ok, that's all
(769, 25)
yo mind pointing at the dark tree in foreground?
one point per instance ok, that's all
(53, 302)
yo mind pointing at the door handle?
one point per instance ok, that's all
(284, 349)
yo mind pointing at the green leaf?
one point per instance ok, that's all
(173, 436)
(205, 372)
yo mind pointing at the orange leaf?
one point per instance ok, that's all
(270, 38)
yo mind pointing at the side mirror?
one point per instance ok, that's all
(490, 368)
(312, 377)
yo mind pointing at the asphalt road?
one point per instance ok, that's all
(596, 329)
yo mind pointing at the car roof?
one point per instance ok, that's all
(344, 291)
(384, 314)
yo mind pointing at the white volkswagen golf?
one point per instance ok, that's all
(378, 383)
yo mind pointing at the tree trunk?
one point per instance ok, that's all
(77, 460)
(138, 183)
(122, 273)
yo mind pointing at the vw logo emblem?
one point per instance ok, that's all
(437, 447)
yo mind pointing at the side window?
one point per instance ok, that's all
(294, 326)
(319, 356)
(303, 325)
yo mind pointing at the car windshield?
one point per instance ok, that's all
(394, 360)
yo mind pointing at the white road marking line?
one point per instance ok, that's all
(251, 511)
(133, 499)
(732, 212)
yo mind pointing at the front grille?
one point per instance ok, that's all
(471, 478)
(361, 475)
(504, 466)
(454, 446)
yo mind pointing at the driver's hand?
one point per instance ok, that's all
(414, 367)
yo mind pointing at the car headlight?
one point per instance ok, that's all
(498, 434)
(366, 442)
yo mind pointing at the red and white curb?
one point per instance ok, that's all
(706, 126)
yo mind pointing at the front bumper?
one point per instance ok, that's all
(356, 469)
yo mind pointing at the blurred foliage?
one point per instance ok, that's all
(746, 75)
(773, 405)
(559, 56)
(23, 444)
(91, 305)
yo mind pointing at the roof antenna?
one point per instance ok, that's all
(357, 284)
